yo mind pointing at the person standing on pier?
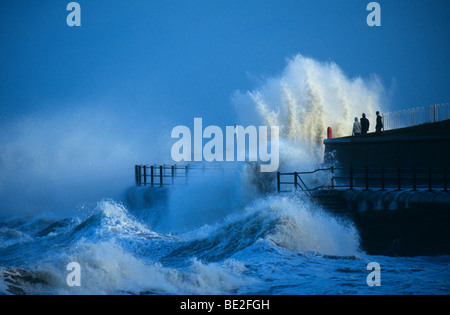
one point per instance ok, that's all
(364, 124)
(379, 124)
(356, 127)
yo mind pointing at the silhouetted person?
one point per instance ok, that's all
(379, 124)
(356, 127)
(364, 124)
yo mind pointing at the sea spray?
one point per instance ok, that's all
(305, 99)
(305, 227)
(214, 235)
(52, 161)
(117, 254)
(208, 198)
(263, 248)
(288, 221)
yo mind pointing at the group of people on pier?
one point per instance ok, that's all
(361, 126)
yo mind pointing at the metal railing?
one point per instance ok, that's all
(323, 178)
(163, 175)
(416, 116)
(159, 175)
(367, 179)
(296, 181)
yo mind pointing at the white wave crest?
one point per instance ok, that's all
(304, 100)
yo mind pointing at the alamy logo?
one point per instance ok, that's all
(74, 277)
(235, 144)
(374, 17)
(374, 278)
(74, 17)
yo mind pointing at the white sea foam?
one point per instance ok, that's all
(3, 284)
(304, 227)
(107, 268)
(191, 245)
(305, 99)
(298, 225)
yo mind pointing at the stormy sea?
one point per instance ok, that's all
(221, 233)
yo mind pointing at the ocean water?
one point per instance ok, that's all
(270, 244)
(217, 234)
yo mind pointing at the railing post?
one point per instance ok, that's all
(161, 175)
(295, 180)
(152, 173)
(278, 182)
(140, 175)
(136, 174)
(351, 177)
(434, 112)
(173, 173)
(145, 175)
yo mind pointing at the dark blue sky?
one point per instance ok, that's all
(183, 59)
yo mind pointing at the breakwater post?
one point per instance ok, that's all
(159, 174)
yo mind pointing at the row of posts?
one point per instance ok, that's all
(366, 179)
(399, 178)
(416, 116)
(154, 174)
(141, 174)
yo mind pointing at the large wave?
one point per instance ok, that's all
(120, 254)
(197, 240)
(304, 100)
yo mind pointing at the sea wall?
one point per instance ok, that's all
(396, 222)
(401, 223)
(360, 200)
(389, 151)
(426, 145)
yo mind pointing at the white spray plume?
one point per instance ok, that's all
(304, 100)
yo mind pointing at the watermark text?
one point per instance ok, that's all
(262, 146)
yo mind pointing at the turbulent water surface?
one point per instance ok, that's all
(216, 235)
(273, 245)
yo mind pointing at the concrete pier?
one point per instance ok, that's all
(427, 145)
(399, 222)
